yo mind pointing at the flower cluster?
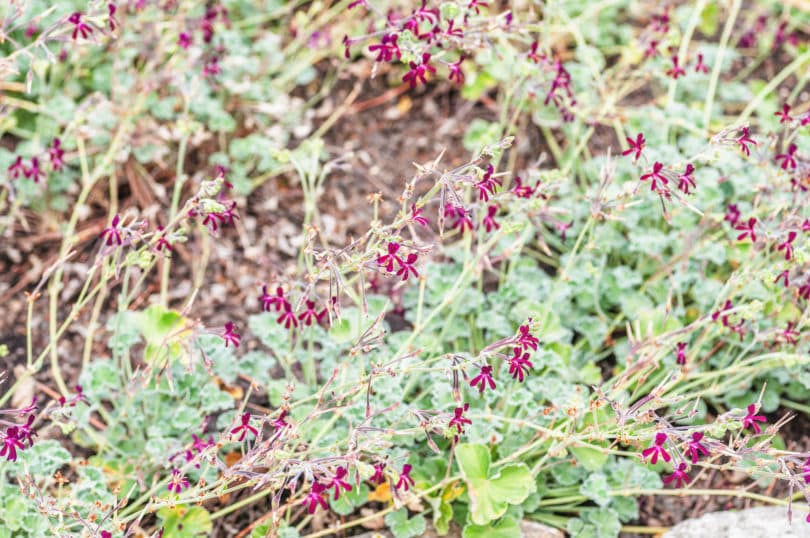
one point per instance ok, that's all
(17, 436)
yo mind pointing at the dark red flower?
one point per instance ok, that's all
(458, 419)
(695, 448)
(533, 55)
(483, 379)
(456, 74)
(750, 419)
(701, 67)
(287, 317)
(379, 476)
(787, 245)
(523, 191)
(719, 313)
(315, 498)
(418, 72)
(463, 223)
(453, 31)
(390, 258)
(657, 449)
(475, 4)
(338, 483)
(732, 214)
(525, 338)
(184, 40)
(11, 443)
(687, 180)
(788, 159)
(783, 275)
(784, 114)
(56, 153)
(416, 216)
(681, 353)
(16, 168)
(676, 70)
(655, 175)
(489, 220)
(747, 229)
(79, 27)
(230, 335)
(35, 171)
(519, 364)
(244, 427)
(387, 48)
(280, 422)
(405, 480)
(112, 234)
(679, 476)
(178, 482)
(636, 146)
(111, 16)
(162, 242)
(745, 138)
(791, 335)
(309, 315)
(407, 268)
(269, 301)
(487, 185)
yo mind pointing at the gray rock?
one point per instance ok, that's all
(765, 522)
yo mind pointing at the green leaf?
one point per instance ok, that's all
(404, 527)
(590, 458)
(606, 522)
(45, 458)
(350, 500)
(491, 495)
(507, 527)
(182, 522)
(596, 489)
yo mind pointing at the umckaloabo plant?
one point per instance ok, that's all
(501, 348)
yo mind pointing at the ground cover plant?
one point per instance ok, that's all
(315, 268)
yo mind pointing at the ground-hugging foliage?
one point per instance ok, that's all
(601, 293)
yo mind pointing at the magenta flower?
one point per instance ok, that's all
(696, 448)
(211, 67)
(35, 171)
(178, 482)
(315, 498)
(79, 27)
(162, 242)
(407, 268)
(78, 397)
(791, 335)
(806, 471)
(287, 317)
(787, 245)
(784, 114)
(804, 291)
(475, 4)
(687, 180)
(16, 168)
(483, 379)
(655, 175)
(244, 427)
(416, 217)
(489, 220)
(111, 9)
(525, 338)
(636, 146)
(701, 67)
(388, 260)
(199, 445)
(732, 214)
(747, 229)
(519, 364)
(112, 234)
(487, 185)
(456, 74)
(230, 335)
(681, 353)
(676, 70)
(387, 48)
(418, 72)
(280, 422)
(357, 3)
(56, 153)
(678, 476)
(11, 442)
(533, 55)
(25, 432)
(788, 159)
(379, 476)
(338, 483)
(750, 419)
(458, 420)
(463, 223)
(744, 139)
(108, 534)
(657, 449)
(523, 191)
(309, 315)
(269, 301)
(718, 313)
(452, 31)
(783, 275)
(184, 40)
(405, 480)
(426, 14)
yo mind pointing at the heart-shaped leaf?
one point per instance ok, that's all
(491, 494)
